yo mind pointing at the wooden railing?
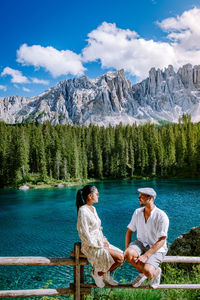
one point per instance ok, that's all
(78, 288)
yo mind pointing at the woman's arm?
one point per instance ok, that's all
(105, 240)
(83, 230)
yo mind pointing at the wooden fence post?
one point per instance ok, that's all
(82, 279)
(77, 273)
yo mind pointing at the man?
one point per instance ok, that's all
(149, 250)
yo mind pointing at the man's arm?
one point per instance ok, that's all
(160, 243)
(128, 238)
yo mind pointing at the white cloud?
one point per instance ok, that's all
(3, 87)
(122, 48)
(25, 89)
(184, 35)
(118, 48)
(56, 62)
(184, 29)
(16, 75)
(40, 81)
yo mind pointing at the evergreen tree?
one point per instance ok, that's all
(97, 154)
(4, 144)
(65, 151)
(170, 149)
(40, 153)
(181, 148)
(131, 162)
(120, 150)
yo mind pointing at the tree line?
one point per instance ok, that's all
(65, 152)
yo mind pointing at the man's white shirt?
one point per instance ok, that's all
(149, 232)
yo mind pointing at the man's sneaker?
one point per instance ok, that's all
(108, 279)
(98, 280)
(139, 280)
(155, 281)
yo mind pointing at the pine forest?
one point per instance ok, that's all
(44, 152)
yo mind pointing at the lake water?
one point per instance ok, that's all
(43, 223)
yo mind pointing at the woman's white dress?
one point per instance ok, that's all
(92, 239)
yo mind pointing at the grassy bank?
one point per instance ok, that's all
(33, 181)
(170, 275)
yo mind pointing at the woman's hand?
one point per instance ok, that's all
(106, 245)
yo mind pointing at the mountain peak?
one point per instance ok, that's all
(110, 99)
(113, 74)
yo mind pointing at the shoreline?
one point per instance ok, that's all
(57, 185)
(63, 184)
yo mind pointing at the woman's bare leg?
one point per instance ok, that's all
(118, 258)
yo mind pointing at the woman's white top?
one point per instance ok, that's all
(92, 239)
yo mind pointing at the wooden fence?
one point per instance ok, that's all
(78, 288)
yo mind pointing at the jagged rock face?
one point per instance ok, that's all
(187, 244)
(110, 99)
(196, 77)
(164, 90)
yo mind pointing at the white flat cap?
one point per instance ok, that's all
(147, 191)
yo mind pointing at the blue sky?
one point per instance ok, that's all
(43, 42)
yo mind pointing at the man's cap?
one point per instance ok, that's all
(147, 191)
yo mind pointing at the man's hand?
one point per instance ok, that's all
(141, 259)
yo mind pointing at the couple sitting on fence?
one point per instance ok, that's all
(145, 254)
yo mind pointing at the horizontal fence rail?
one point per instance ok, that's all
(42, 292)
(86, 289)
(168, 259)
(161, 286)
(182, 259)
(43, 261)
(78, 288)
(61, 261)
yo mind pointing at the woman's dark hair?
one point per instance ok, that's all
(83, 193)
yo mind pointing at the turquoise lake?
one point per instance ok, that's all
(43, 223)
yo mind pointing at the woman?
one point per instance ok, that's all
(103, 256)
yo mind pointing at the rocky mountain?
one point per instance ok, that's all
(110, 99)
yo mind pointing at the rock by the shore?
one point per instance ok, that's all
(24, 187)
(187, 244)
(60, 185)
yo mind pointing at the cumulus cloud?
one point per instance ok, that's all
(3, 87)
(25, 89)
(16, 75)
(184, 35)
(40, 81)
(184, 29)
(54, 61)
(122, 48)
